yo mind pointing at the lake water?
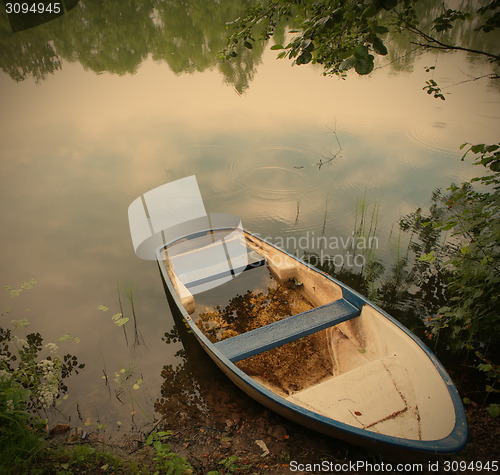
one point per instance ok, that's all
(295, 155)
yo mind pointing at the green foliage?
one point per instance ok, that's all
(22, 364)
(228, 466)
(167, 462)
(492, 21)
(81, 458)
(489, 158)
(433, 88)
(469, 257)
(171, 337)
(445, 21)
(119, 319)
(28, 384)
(19, 440)
(491, 372)
(332, 33)
(494, 410)
(340, 35)
(348, 34)
(474, 219)
(84, 456)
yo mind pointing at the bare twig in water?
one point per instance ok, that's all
(138, 340)
(106, 379)
(78, 411)
(121, 311)
(326, 209)
(330, 157)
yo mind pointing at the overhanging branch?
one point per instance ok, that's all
(434, 43)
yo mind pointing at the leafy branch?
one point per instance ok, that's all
(434, 43)
(344, 35)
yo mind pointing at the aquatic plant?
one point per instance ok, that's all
(31, 380)
(138, 340)
(122, 322)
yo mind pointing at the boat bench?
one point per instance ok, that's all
(212, 264)
(287, 330)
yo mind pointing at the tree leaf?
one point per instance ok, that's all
(304, 58)
(485, 367)
(380, 29)
(361, 52)
(322, 21)
(379, 46)
(388, 4)
(365, 66)
(68, 337)
(307, 44)
(479, 148)
(348, 63)
(427, 257)
(493, 410)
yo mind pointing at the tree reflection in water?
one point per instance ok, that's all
(189, 36)
(196, 394)
(186, 35)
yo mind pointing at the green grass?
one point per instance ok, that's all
(18, 446)
(60, 458)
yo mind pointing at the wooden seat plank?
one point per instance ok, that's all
(289, 329)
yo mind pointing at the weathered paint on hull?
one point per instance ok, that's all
(369, 439)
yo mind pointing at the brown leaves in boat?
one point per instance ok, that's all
(252, 310)
(294, 366)
(288, 368)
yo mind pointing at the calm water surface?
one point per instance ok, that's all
(294, 154)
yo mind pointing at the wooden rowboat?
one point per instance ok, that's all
(296, 340)
(329, 359)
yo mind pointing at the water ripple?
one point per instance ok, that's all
(432, 137)
(277, 172)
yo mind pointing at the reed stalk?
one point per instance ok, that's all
(121, 311)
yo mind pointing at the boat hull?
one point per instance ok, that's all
(451, 442)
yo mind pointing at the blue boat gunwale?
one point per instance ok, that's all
(452, 443)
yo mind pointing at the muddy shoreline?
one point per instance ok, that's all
(219, 421)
